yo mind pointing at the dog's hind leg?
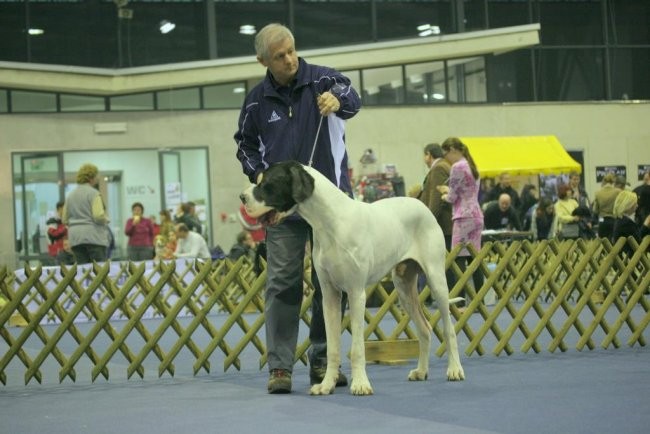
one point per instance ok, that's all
(438, 285)
(405, 280)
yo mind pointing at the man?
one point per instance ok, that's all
(505, 186)
(502, 215)
(438, 174)
(281, 120)
(245, 246)
(189, 244)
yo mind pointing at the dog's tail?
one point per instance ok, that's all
(454, 300)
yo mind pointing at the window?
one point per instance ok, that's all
(178, 99)
(3, 101)
(224, 96)
(138, 101)
(384, 86)
(425, 83)
(82, 103)
(32, 102)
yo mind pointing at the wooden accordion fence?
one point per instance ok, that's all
(574, 293)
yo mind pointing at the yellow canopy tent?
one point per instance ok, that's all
(524, 155)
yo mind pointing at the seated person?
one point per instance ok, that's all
(190, 244)
(502, 215)
(245, 246)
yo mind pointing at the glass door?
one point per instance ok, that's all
(170, 180)
(38, 186)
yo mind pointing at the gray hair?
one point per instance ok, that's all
(269, 35)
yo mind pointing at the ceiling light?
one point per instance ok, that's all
(247, 29)
(238, 90)
(35, 32)
(428, 30)
(438, 96)
(166, 26)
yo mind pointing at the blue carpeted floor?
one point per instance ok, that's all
(600, 391)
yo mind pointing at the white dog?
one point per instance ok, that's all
(355, 244)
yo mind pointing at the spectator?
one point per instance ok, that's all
(190, 244)
(621, 183)
(505, 186)
(501, 215)
(245, 246)
(462, 193)
(65, 255)
(56, 232)
(437, 175)
(624, 226)
(167, 225)
(603, 206)
(140, 230)
(643, 193)
(528, 200)
(285, 112)
(85, 215)
(577, 192)
(187, 215)
(564, 208)
(544, 221)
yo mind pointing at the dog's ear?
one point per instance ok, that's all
(302, 183)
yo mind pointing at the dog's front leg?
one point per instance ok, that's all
(332, 317)
(360, 384)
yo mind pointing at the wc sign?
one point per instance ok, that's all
(140, 190)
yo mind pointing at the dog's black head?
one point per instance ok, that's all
(282, 187)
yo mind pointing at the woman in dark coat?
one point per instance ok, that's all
(624, 225)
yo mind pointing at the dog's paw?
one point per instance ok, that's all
(322, 389)
(359, 387)
(455, 373)
(417, 375)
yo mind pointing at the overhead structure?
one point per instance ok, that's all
(103, 81)
(520, 155)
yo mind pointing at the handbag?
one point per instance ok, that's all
(570, 231)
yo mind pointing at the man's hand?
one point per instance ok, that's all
(328, 103)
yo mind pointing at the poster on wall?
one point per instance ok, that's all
(641, 170)
(172, 196)
(601, 171)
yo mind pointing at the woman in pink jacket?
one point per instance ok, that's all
(462, 193)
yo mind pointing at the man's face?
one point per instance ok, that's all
(428, 159)
(282, 61)
(505, 180)
(504, 203)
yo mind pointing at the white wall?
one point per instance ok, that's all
(608, 133)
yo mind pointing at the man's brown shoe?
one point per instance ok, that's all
(279, 381)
